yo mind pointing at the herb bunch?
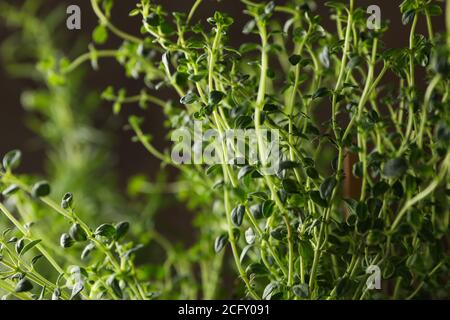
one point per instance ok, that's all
(296, 234)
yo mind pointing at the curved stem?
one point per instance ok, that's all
(104, 20)
(88, 56)
(193, 9)
(425, 106)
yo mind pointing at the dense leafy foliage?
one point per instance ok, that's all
(296, 234)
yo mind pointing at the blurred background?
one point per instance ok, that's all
(125, 158)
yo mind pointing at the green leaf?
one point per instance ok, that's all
(42, 294)
(374, 206)
(362, 211)
(286, 165)
(244, 252)
(77, 233)
(415, 219)
(250, 236)
(290, 186)
(133, 250)
(23, 285)
(122, 229)
(249, 27)
(87, 250)
(398, 189)
(434, 9)
(269, 290)
(245, 171)
(40, 189)
(269, 8)
(20, 245)
(306, 250)
(215, 97)
(67, 201)
(56, 294)
(279, 233)
(408, 16)
(374, 237)
(77, 288)
(320, 93)
(29, 246)
(271, 108)
(256, 211)
(256, 269)
(267, 208)
(395, 168)
(243, 122)
(380, 188)
(316, 197)
(220, 242)
(327, 187)
(106, 230)
(354, 62)
(324, 57)
(12, 240)
(237, 215)
(295, 59)
(351, 220)
(312, 173)
(36, 259)
(66, 241)
(257, 194)
(9, 191)
(134, 12)
(166, 61)
(100, 34)
(154, 19)
(357, 170)
(301, 290)
(215, 168)
(12, 159)
(114, 285)
(189, 98)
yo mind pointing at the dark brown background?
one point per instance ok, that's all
(131, 158)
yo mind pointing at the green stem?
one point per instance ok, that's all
(193, 9)
(261, 147)
(269, 245)
(19, 226)
(99, 245)
(424, 193)
(429, 25)
(448, 24)
(234, 249)
(425, 107)
(104, 20)
(411, 53)
(88, 56)
(422, 283)
(340, 79)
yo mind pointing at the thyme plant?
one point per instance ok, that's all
(295, 234)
